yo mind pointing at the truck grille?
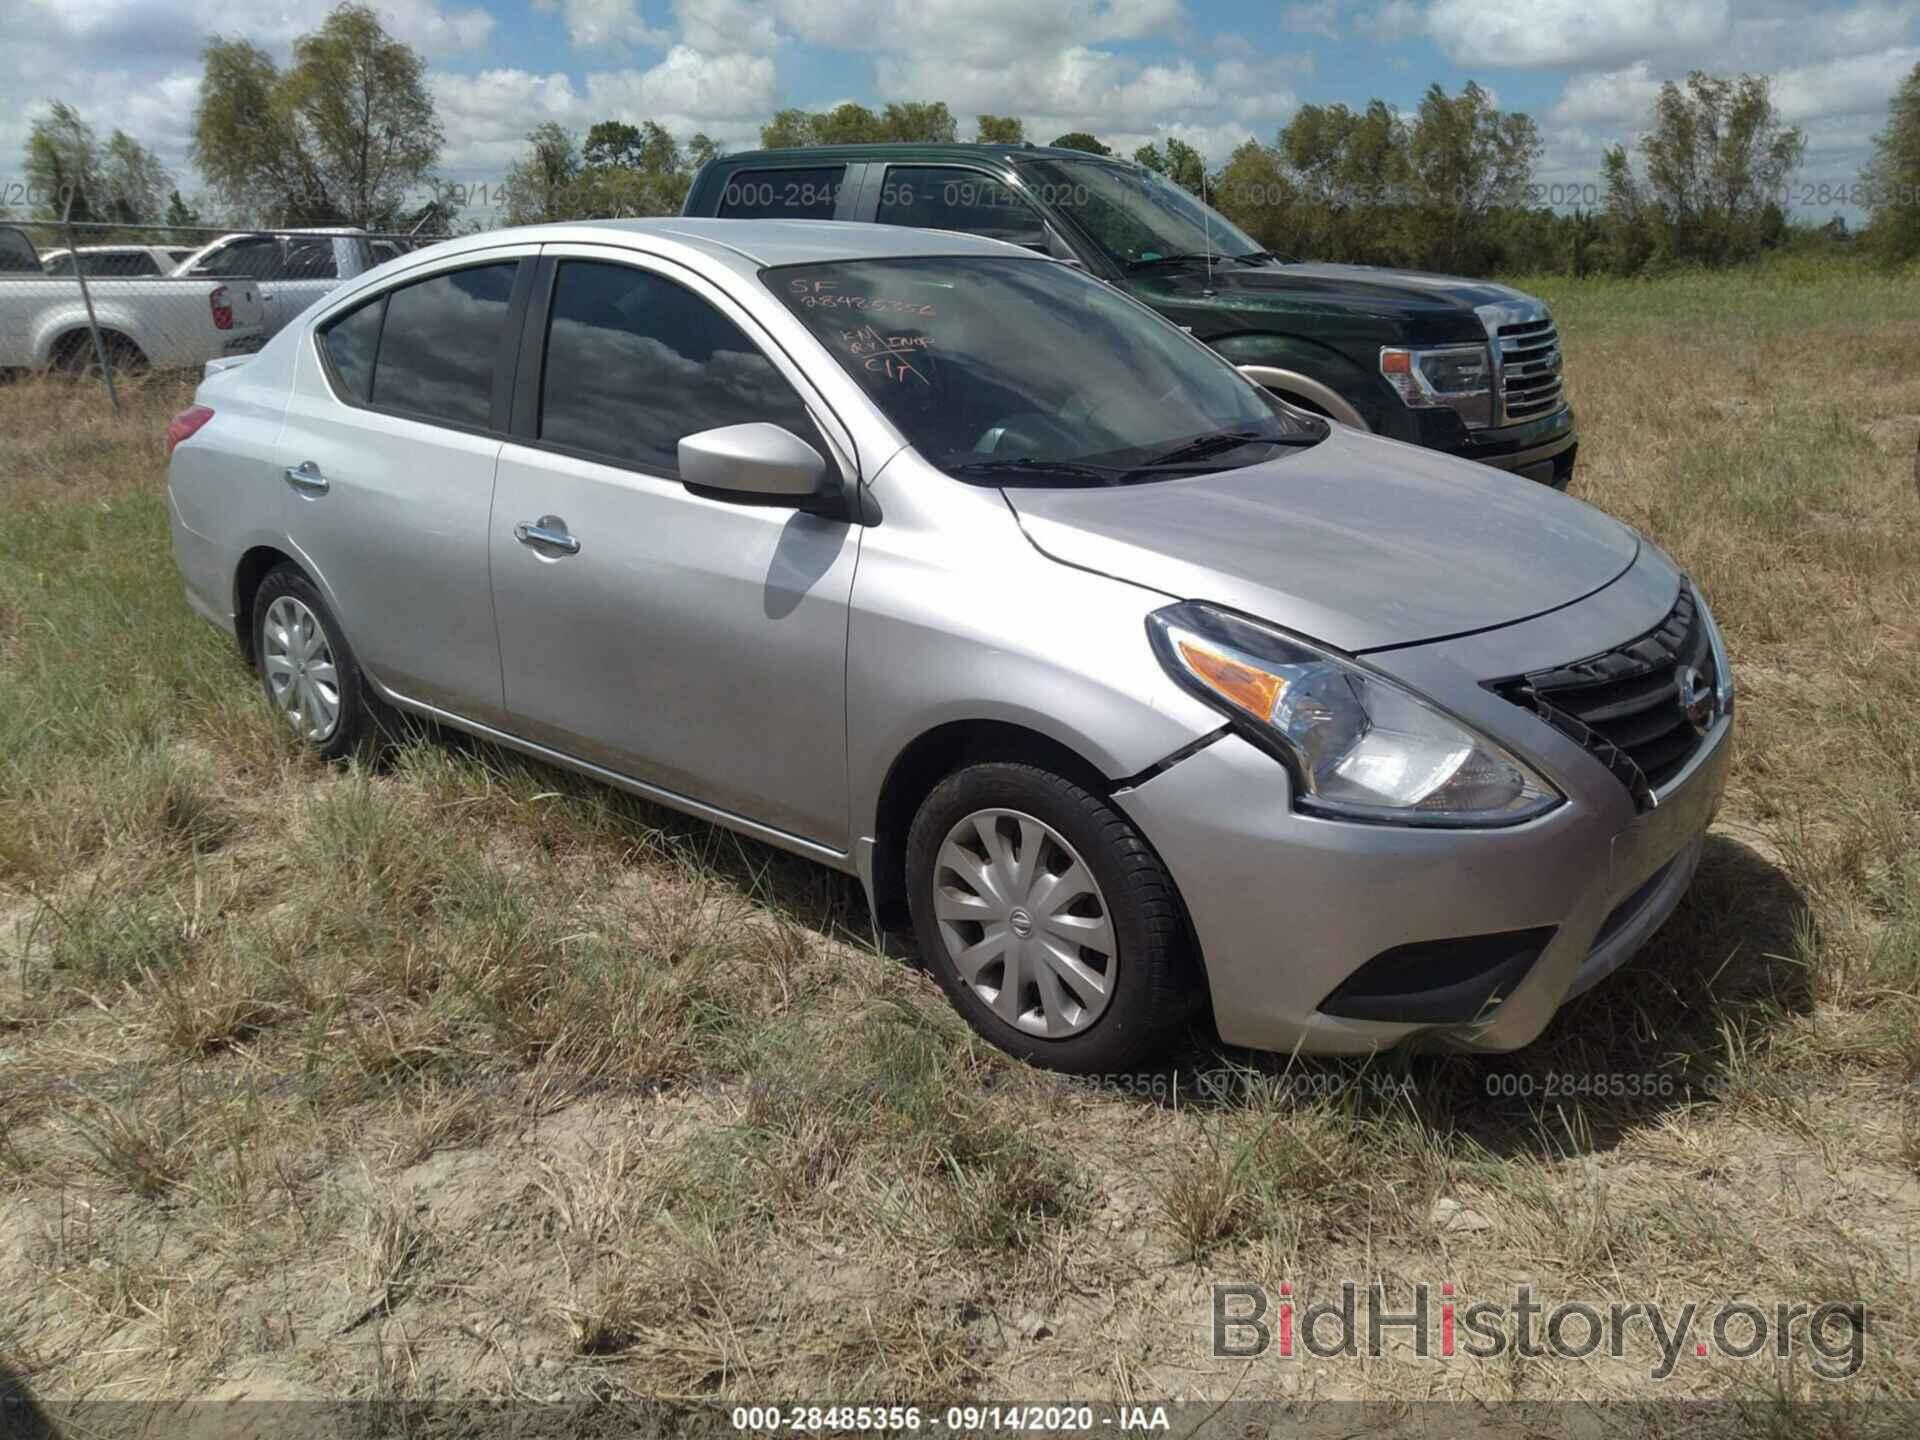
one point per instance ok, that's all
(1529, 361)
(1624, 705)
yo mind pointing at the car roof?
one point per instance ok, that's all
(746, 245)
(909, 151)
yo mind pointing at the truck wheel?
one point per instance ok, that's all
(73, 354)
(1046, 918)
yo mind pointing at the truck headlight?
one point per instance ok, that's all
(1453, 377)
(1360, 747)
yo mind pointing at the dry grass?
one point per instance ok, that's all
(453, 1075)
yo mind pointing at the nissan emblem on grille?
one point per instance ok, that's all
(1696, 699)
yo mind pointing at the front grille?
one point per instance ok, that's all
(1529, 360)
(1624, 705)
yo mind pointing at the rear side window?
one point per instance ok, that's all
(635, 361)
(439, 342)
(942, 198)
(309, 260)
(793, 194)
(350, 343)
(255, 257)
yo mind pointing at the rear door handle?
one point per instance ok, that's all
(548, 530)
(306, 476)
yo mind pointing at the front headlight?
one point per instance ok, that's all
(1360, 747)
(1453, 377)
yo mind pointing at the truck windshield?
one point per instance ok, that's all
(1134, 214)
(1025, 372)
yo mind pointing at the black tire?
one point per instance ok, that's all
(1155, 984)
(74, 355)
(361, 714)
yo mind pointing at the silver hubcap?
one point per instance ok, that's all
(1024, 922)
(300, 673)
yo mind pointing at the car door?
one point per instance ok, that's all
(692, 643)
(393, 432)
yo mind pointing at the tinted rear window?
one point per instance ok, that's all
(350, 343)
(939, 197)
(634, 362)
(794, 194)
(439, 343)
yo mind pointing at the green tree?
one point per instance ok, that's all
(1355, 179)
(1256, 192)
(703, 148)
(848, 124)
(133, 183)
(786, 130)
(62, 160)
(1893, 179)
(612, 142)
(343, 134)
(1468, 159)
(1180, 163)
(1080, 140)
(246, 144)
(925, 121)
(999, 129)
(1716, 161)
(543, 184)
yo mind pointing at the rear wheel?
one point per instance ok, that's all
(1046, 918)
(74, 355)
(307, 667)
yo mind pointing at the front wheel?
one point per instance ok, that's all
(1047, 919)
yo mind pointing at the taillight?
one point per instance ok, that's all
(187, 422)
(222, 311)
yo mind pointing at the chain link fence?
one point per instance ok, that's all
(104, 302)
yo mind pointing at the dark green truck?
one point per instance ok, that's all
(1464, 366)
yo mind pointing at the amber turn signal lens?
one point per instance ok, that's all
(1255, 691)
(1396, 362)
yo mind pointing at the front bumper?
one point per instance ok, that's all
(1541, 450)
(1286, 907)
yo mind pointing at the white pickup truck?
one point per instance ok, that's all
(291, 270)
(158, 321)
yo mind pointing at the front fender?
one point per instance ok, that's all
(1291, 364)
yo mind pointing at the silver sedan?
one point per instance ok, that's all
(1126, 686)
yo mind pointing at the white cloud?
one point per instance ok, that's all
(604, 22)
(1571, 34)
(1313, 17)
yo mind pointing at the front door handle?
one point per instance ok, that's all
(306, 476)
(548, 530)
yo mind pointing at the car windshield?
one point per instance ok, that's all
(1024, 371)
(1135, 214)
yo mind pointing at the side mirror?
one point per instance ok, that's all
(753, 462)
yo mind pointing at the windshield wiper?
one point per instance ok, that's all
(1219, 442)
(1028, 466)
(1260, 257)
(1191, 257)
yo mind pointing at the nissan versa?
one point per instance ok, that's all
(1131, 687)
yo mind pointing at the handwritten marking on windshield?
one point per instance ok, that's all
(888, 355)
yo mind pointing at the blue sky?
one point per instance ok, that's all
(1130, 70)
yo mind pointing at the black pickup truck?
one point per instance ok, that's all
(1464, 366)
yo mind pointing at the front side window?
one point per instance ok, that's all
(938, 197)
(1135, 215)
(635, 361)
(809, 193)
(439, 344)
(1023, 371)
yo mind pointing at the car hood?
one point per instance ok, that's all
(1358, 542)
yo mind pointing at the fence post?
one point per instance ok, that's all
(93, 325)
